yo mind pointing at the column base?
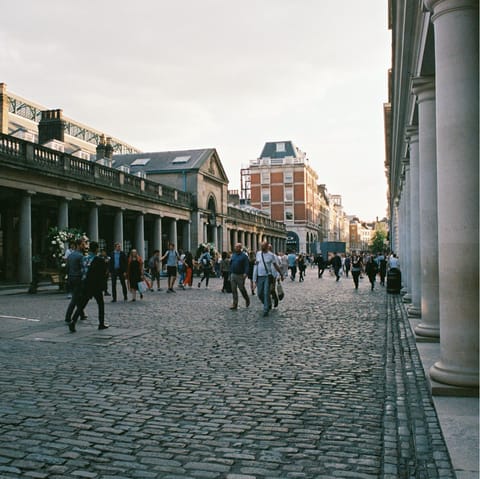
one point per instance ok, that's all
(464, 377)
(407, 298)
(428, 333)
(414, 311)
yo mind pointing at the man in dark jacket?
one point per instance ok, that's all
(74, 277)
(93, 285)
(337, 265)
(118, 269)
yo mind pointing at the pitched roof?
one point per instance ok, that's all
(164, 162)
(279, 149)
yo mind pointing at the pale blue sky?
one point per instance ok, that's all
(165, 75)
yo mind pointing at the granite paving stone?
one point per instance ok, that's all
(328, 386)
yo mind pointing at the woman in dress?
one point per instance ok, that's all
(134, 273)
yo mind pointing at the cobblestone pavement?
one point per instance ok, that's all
(328, 386)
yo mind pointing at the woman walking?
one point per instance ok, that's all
(356, 269)
(134, 273)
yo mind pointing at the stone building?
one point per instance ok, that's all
(432, 144)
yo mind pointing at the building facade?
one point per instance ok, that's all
(432, 164)
(284, 185)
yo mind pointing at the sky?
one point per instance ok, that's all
(176, 75)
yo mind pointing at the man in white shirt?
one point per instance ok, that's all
(265, 263)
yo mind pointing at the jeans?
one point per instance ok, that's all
(263, 292)
(118, 274)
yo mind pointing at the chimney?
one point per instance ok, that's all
(51, 127)
(109, 149)
(101, 148)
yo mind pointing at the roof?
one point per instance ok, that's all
(279, 149)
(164, 162)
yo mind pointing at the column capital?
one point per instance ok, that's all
(442, 7)
(411, 134)
(424, 88)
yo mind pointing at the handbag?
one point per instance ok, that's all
(142, 286)
(280, 292)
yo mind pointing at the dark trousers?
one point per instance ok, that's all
(355, 275)
(83, 303)
(75, 286)
(118, 274)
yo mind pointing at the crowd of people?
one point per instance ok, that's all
(89, 269)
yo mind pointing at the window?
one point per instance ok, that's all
(288, 177)
(288, 214)
(265, 195)
(181, 159)
(265, 179)
(288, 194)
(140, 162)
(280, 147)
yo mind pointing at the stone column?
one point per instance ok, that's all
(63, 214)
(173, 232)
(93, 224)
(456, 78)
(25, 239)
(140, 236)
(3, 109)
(406, 233)
(414, 310)
(424, 88)
(118, 227)
(220, 238)
(157, 234)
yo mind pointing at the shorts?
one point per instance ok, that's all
(172, 271)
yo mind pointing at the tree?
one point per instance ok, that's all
(377, 243)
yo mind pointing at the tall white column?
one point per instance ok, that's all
(93, 224)
(157, 234)
(456, 78)
(406, 233)
(63, 214)
(140, 236)
(173, 232)
(118, 227)
(414, 310)
(189, 236)
(424, 88)
(25, 240)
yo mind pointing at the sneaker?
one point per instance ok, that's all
(103, 326)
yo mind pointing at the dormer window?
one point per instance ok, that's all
(280, 147)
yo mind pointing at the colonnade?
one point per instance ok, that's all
(252, 240)
(436, 215)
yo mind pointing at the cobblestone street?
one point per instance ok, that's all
(328, 386)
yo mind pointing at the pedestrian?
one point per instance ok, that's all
(94, 281)
(292, 264)
(320, 264)
(336, 263)
(276, 278)
(188, 262)
(347, 265)
(283, 263)
(74, 277)
(106, 258)
(382, 268)
(135, 273)
(171, 257)
(371, 270)
(239, 266)
(301, 267)
(155, 267)
(263, 275)
(118, 270)
(356, 269)
(71, 248)
(206, 267)
(225, 271)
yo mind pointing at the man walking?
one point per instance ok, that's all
(265, 262)
(118, 269)
(74, 277)
(171, 257)
(337, 265)
(239, 265)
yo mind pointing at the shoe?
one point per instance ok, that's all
(151, 290)
(206, 287)
(103, 326)
(159, 289)
(233, 306)
(168, 290)
(199, 284)
(113, 301)
(71, 326)
(67, 320)
(265, 314)
(132, 300)
(172, 291)
(84, 317)
(141, 296)
(247, 302)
